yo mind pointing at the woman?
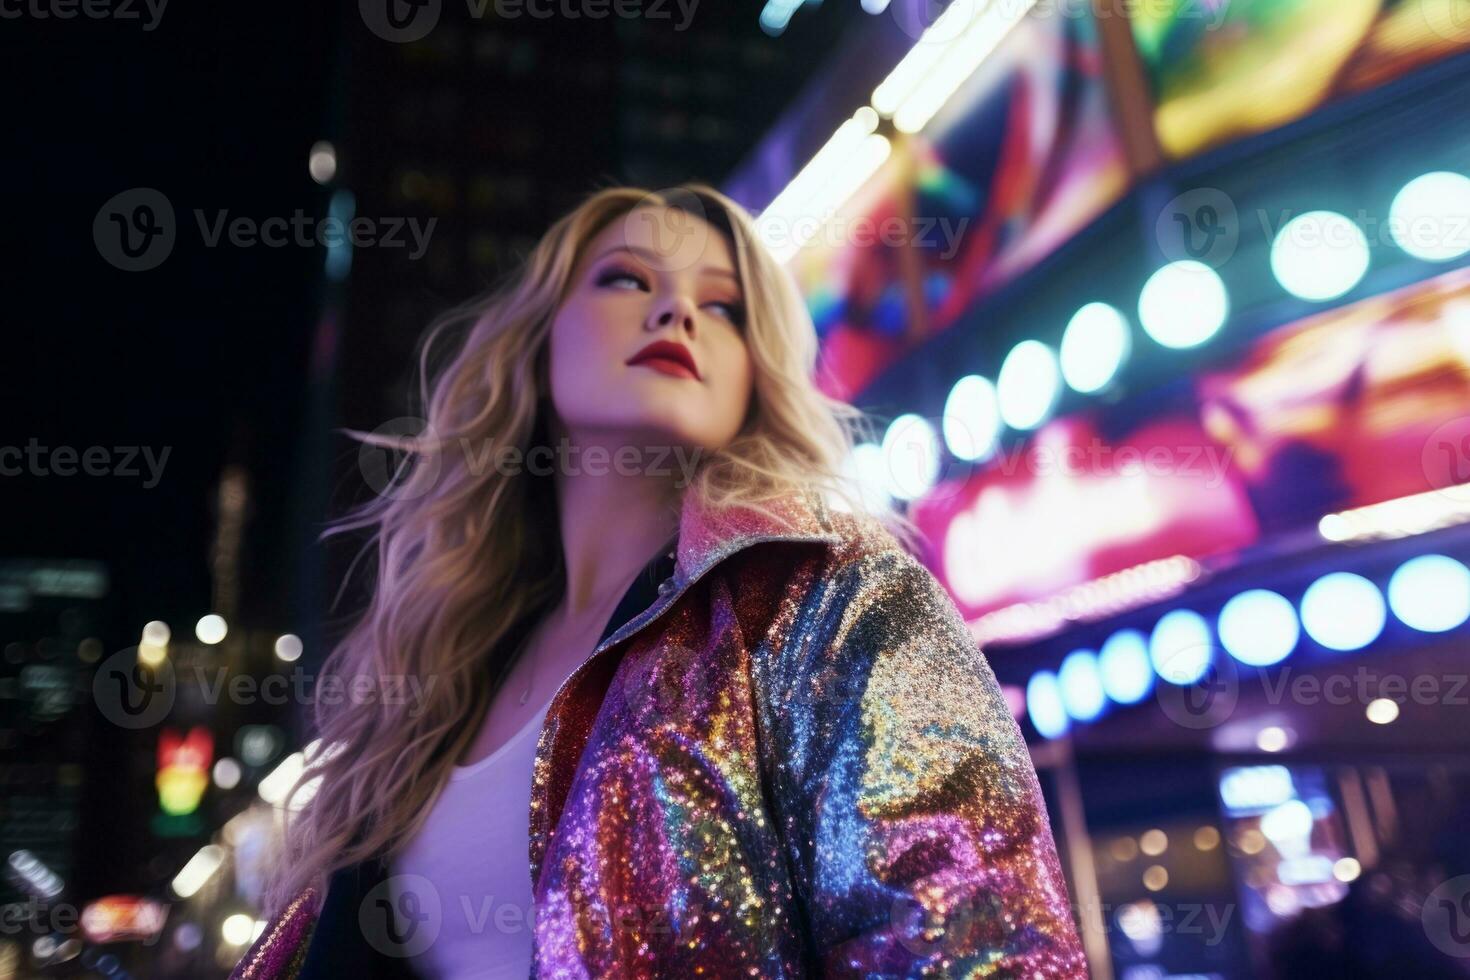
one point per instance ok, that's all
(789, 759)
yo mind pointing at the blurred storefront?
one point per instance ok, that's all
(1169, 307)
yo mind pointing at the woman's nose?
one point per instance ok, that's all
(678, 310)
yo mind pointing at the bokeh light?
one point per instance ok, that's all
(1044, 704)
(1094, 347)
(1428, 217)
(1431, 593)
(972, 423)
(1183, 305)
(1180, 647)
(1029, 384)
(1258, 627)
(1320, 255)
(1343, 611)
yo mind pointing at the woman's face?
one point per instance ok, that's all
(638, 285)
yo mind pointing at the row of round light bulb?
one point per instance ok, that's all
(1322, 255)
(1318, 256)
(210, 630)
(1340, 611)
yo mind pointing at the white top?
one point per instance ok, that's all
(469, 870)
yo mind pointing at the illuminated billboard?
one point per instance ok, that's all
(1022, 157)
(1344, 410)
(1220, 71)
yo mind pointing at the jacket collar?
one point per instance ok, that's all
(708, 535)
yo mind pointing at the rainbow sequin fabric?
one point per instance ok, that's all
(795, 763)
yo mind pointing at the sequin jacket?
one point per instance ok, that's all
(794, 763)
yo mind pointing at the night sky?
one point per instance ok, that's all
(203, 356)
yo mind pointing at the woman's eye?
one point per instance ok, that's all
(733, 312)
(619, 275)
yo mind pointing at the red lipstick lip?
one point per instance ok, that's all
(666, 350)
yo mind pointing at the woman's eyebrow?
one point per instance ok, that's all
(652, 257)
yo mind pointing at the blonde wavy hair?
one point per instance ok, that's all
(462, 557)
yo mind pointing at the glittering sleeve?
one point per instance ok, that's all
(908, 805)
(280, 951)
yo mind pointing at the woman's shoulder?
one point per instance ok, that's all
(870, 539)
(882, 558)
(854, 541)
(855, 538)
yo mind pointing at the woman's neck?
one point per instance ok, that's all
(611, 525)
